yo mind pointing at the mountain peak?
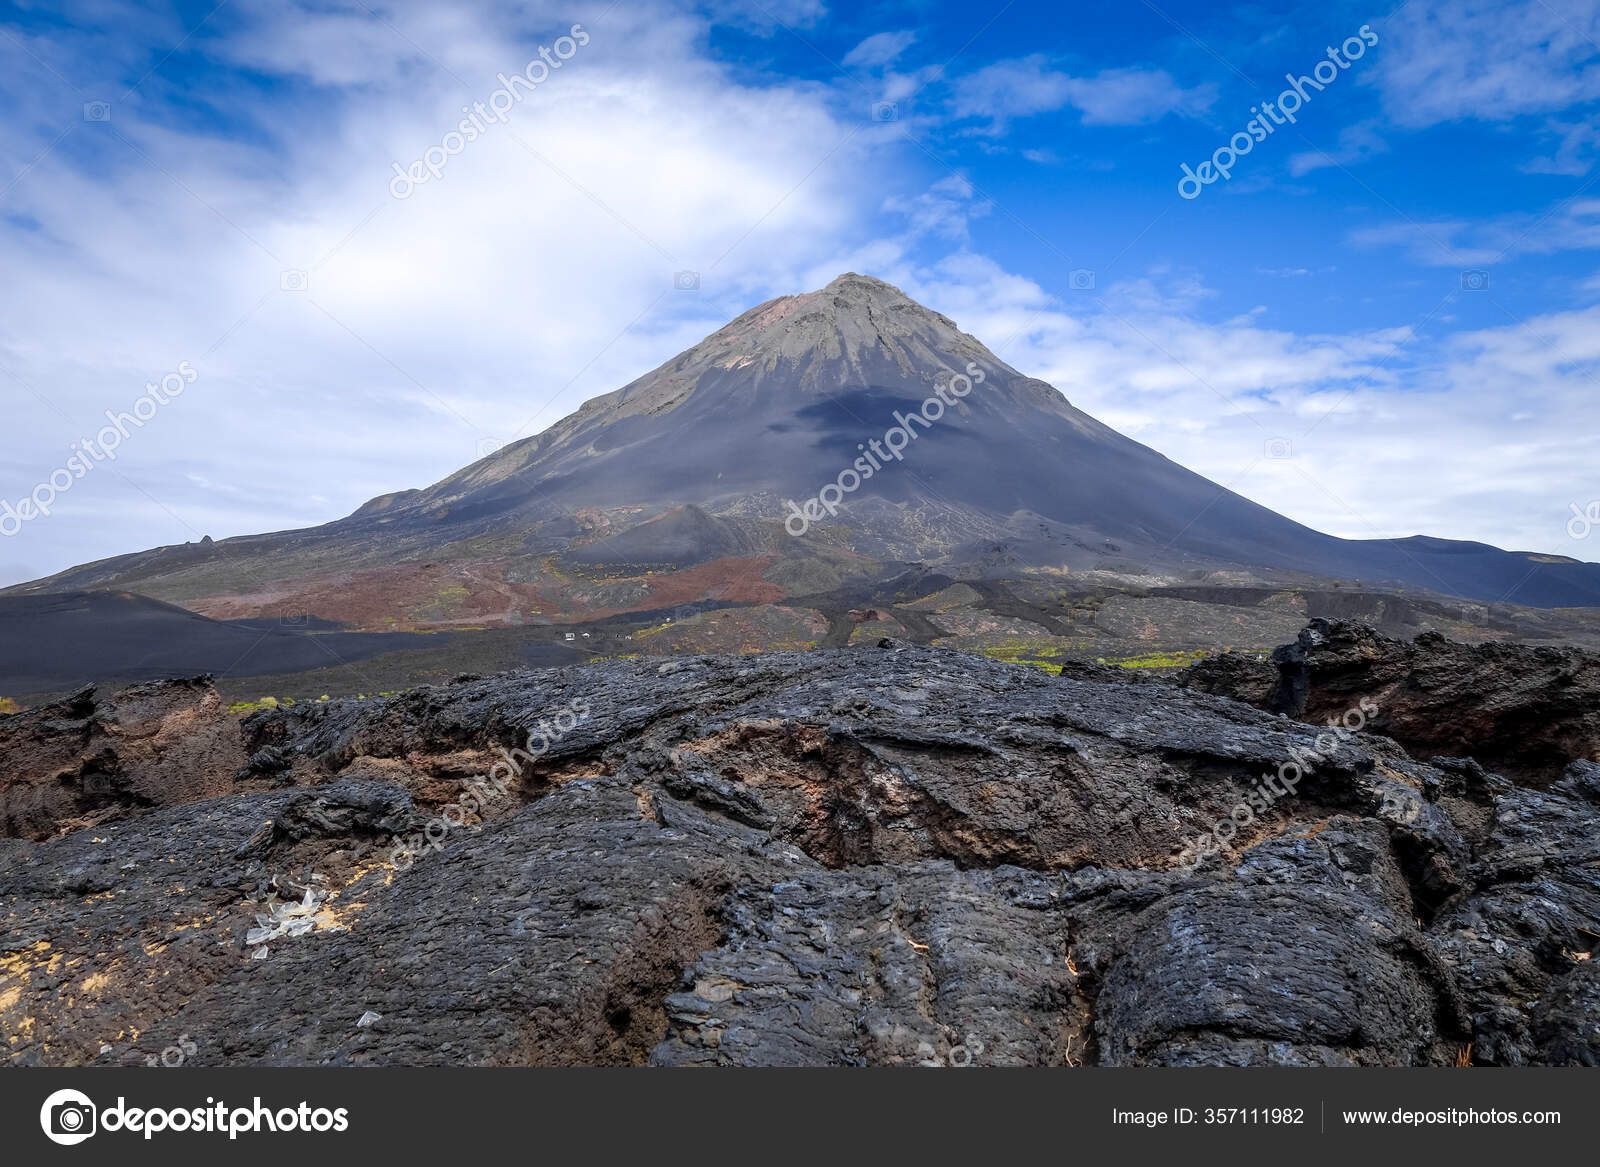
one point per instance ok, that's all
(871, 284)
(856, 327)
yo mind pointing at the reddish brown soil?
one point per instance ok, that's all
(734, 580)
(476, 594)
(405, 596)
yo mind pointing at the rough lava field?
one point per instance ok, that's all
(889, 854)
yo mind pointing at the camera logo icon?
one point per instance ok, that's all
(1475, 280)
(1081, 279)
(68, 1117)
(294, 280)
(489, 445)
(1280, 449)
(97, 111)
(686, 281)
(885, 111)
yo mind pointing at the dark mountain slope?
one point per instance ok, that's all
(775, 406)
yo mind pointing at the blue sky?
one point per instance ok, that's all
(1383, 322)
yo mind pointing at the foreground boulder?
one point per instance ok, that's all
(94, 757)
(877, 856)
(1523, 711)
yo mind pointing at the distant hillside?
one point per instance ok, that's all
(54, 642)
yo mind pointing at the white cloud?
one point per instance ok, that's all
(1356, 144)
(1127, 97)
(1119, 97)
(880, 49)
(767, 17)
(1488, 59)
(1498, 61)
(945, 210)
(1578, 144)
(1573, 225)
(491, 302)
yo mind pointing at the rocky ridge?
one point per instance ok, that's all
(1525, 710)
(877, 856)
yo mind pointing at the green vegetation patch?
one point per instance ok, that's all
(1162, 660)
(1018, 651)
(259, 704)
